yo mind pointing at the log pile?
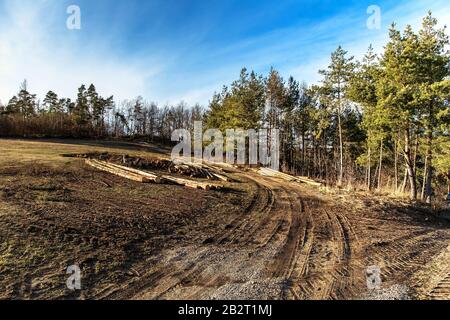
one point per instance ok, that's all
(181, 166)
(191, 184)
(199, 169)
(146, 177)
(103, 166)
(277, 174)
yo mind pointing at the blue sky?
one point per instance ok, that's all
(173, 50)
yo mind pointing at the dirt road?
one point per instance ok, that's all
(291, 244)
(260, 238)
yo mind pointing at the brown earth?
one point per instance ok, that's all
(259, 238)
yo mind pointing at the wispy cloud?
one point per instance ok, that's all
(52, 57)
(303, 48)
(168, 52)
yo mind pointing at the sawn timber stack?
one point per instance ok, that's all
(147, 177)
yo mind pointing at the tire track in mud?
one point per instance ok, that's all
(243, 228)
(402, 256)
(323, 269)
(442, 290)
(278, 230)
(292, 261)
(299, 266)
(278, 225)
(292, 258)
(171, 275)
(284, 260)
(341, 275)
(288, 236)
(264, 223)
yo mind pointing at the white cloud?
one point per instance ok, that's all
(35, 44)
(355, 38)
(28, 50)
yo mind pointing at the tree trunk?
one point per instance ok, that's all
(405, 181)
(375, 175)
(448, 186)
(314, 170)
(410, 167)
(396, 164)
(429, 171)
(341, 151)
(369, 170)
(381, 165)
(425, 171)
(303, 153)
(416, 151)
(325, 156)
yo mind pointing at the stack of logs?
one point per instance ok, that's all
(277, 174)
(193, 170)
(182, 167)
(146, 177)
(198, 170)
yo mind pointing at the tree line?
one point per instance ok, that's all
(92, 116)
(382, 121)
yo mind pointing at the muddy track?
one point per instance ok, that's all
(259, 238)
(271, 242)
(442, 290)
(287, 244)
(244, 226)
(186, 267)
(400, 257)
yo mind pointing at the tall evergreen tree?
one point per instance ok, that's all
(335, 84)
(52, 103)
(363, 90)
(396, 92)
(434, 69)
(81, 114)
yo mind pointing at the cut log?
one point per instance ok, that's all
(309, 181)
(151, 176)
(191, 183)
(143, 176)
(116, 171)
(186, 167)
(221, 177)
(273, 173)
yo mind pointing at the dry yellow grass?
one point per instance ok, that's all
(19, 152)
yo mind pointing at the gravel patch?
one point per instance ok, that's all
(395, 292)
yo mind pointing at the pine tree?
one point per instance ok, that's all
(396, 92)
(12, 107)
(434, 64)
(291, 103)
(302, 121)
(275, 99)
(138, 115)
(51, 102)
(335, 84)
(215, 115)
(26, 103)
(241, 106)
(81, 114)
(376, 121)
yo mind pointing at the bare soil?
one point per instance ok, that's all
(259, 238)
